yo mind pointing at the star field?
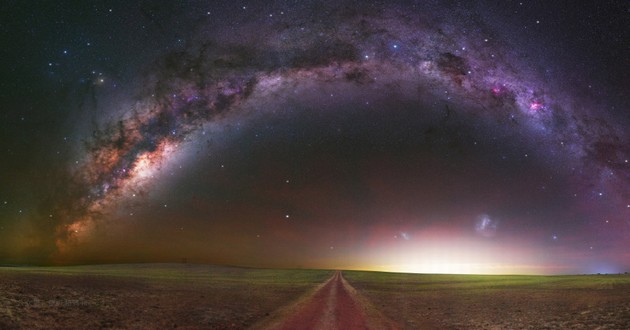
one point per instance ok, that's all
(420, 136)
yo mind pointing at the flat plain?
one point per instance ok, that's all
(147, 296)
(498, 302)
(150, 296)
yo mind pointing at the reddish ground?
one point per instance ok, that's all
(335, 305)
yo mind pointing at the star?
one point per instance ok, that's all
(390, 125)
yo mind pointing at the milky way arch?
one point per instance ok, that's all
(452, 58)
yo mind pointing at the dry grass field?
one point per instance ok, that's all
(150, 296)
(498, 302)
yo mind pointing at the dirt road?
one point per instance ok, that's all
(335, 305)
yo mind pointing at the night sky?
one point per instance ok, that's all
(416, 136)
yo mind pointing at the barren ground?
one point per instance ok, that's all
(498, 302)
(207, 297)
(147, 296)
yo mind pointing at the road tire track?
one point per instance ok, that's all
(335, 305)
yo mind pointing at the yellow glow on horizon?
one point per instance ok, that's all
(454, 253)
(460, 268)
